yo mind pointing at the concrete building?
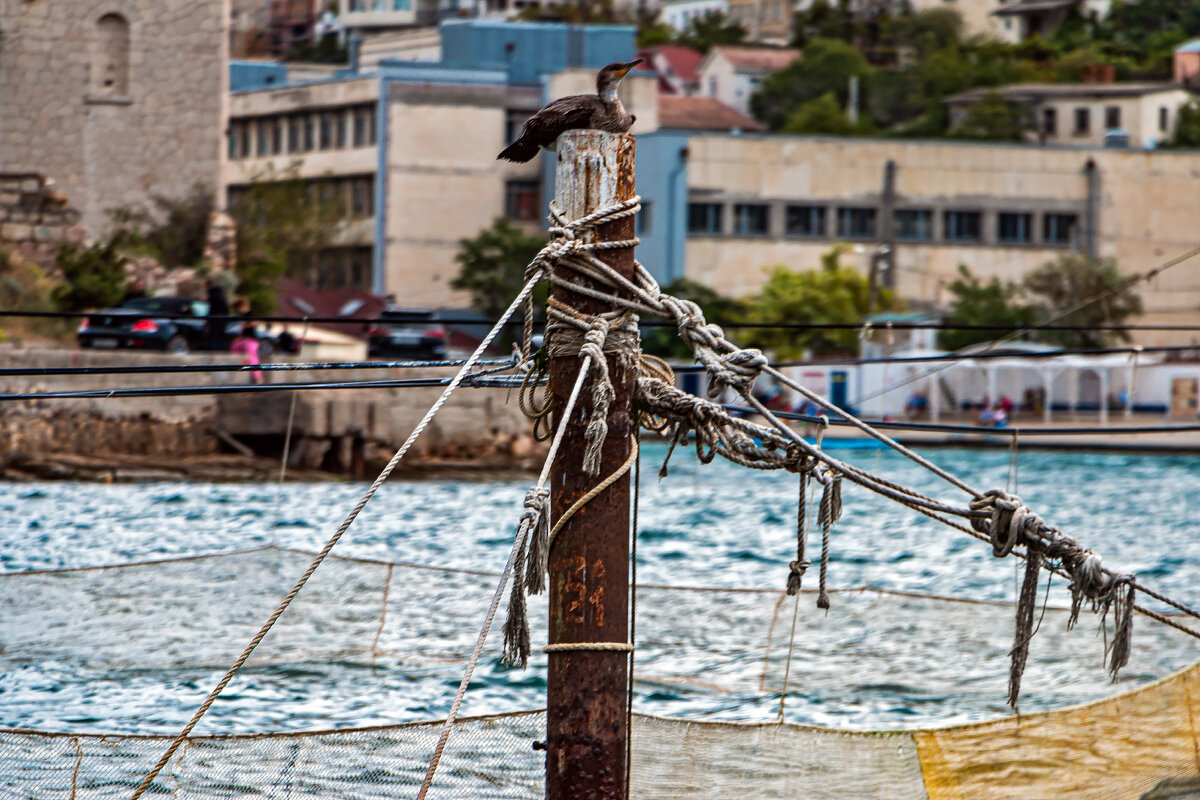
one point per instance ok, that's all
(114, 100)
(410, 147)
(1031, 18)
(732, 74)
(680, 13)
(759, 200)
(765, 21)
(1092, 114)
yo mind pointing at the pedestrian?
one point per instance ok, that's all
(218, 313)
(246, 343)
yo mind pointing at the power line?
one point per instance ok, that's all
(1007, 431)
(290, 366)
(475, 380)
(805, 326)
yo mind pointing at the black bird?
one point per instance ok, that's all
(601, 111)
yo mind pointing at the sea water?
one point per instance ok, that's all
(713, 525)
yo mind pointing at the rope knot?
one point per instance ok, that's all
(1006, 520)
(737, 370)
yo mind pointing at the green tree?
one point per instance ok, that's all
(830, 294)
(992, 118)
(93, 277)
(823, 20)
(283, 222)
(173, 229)
(826, 67)
(492, 267)
(665, 342)
(1187, 127)
(977, 303)
(709, 30)
(822, 115)
(1105, 297)
(932, 30)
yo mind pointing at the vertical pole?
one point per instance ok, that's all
(586, 717)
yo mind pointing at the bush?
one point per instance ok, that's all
(93, 277)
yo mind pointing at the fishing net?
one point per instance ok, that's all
(711, 667)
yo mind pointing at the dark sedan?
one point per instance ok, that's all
(171, 324)
(412, 333)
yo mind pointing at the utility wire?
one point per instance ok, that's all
(286, 366)
(1005, 432)
(802, 326)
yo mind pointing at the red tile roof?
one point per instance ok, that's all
(758, 59)
(682, 60)
(701, 114)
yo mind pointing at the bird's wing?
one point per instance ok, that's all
(567, 113)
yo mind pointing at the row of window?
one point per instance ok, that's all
(302, 132)
(909, 224)
(337, 268)
(351, 197)
(380, 5)
(1083, 120)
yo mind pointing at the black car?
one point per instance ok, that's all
(412, 333)
(171, 324)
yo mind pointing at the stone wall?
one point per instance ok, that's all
(35, 219)
(116, 100)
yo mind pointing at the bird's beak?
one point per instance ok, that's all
(627, 68)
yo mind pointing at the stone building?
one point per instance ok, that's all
(114, 100)
(1127, 114)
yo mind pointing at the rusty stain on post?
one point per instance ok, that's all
(586, 719)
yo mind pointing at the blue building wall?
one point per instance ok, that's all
(529, 50)
(662, 183)
(249, 75)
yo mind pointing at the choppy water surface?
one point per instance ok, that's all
(867, 664)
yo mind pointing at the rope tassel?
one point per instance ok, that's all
(801, 564)
(1026, 605)
(1122, 605)
(516, 626)
(536, 520)
(830, 512)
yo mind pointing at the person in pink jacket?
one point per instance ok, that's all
(246, 343)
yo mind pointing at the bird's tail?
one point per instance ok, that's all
(519, 151)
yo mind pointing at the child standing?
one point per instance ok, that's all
(246, 343)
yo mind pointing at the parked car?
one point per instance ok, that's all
(171, 324)
(412, 333)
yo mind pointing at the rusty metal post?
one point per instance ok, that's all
(586, 718)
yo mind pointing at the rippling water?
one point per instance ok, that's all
(714, 525)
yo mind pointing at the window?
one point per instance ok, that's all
(362, 197)
(110, 56)
(805, 221)
(339, 129)
(1112, 117)
(751, 219)
(1014, 228)
(244, 139)
(294, 134)
(364, 126)
(309, 128)
(1050, 121)
(914, 224)
(855, 223)
(327, 121)
(1083, 121)
(705, 217)
(644, 219)
(342, 268)
(514, 119)
(1162, 119)
(964, 226)
(1059, 228)
(235, 140)
(263, 139)
(522, 200)
(276, 135)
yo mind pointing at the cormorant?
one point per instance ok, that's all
(601, 111)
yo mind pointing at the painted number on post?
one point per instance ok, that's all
(577, 595)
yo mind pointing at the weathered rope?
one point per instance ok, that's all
(567, 647)
(337, 535)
